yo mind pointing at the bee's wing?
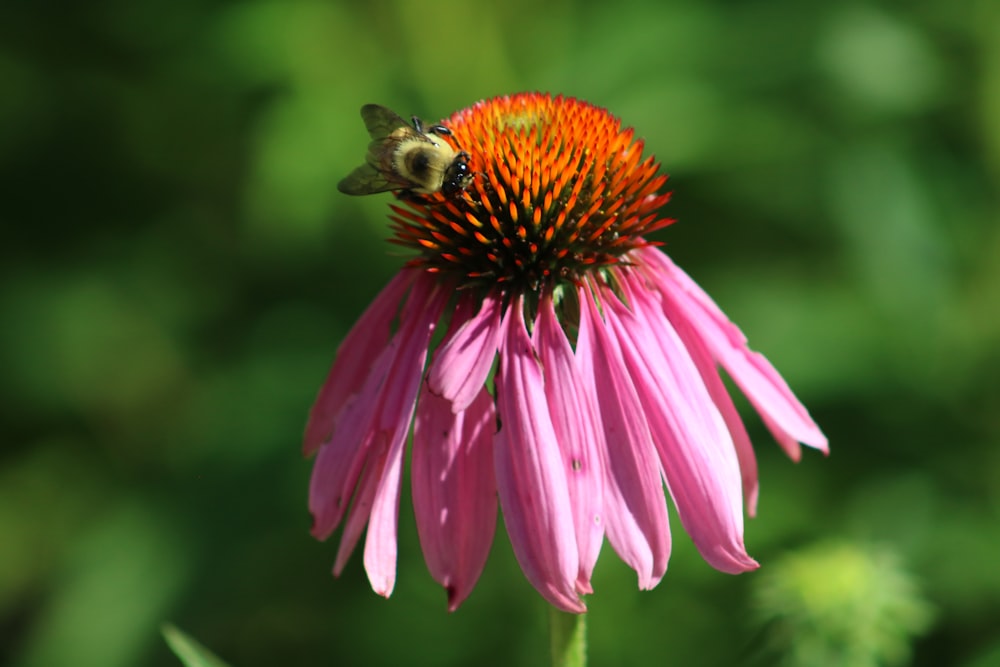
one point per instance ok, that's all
(378, 174)
(366, 180)
(381, 122)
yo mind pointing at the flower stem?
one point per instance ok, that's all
(567, 638)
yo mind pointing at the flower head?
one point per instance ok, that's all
(577, 375)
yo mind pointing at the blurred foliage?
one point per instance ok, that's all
(861, 612)
(190, 652)
(178, 269)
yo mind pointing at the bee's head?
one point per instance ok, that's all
(457, 176)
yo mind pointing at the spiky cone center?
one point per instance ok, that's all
(560, 190)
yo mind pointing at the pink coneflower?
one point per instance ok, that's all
(576, 376)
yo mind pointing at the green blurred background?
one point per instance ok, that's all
(178, 270)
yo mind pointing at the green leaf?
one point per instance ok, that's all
(191, 653)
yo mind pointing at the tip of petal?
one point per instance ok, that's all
(319, 531)
(731, 563)
(382, 585)
(455, 598)
(458, 593)
(313, 439)
(573, 606)
(819, 442)
(751, 500)
(648, 582)
(809, 435)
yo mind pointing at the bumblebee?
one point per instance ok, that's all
(406, 157)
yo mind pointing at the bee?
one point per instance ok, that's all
(407, 157)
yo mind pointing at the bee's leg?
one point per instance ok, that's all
(440, 130)
(408, 195)
(418, 124)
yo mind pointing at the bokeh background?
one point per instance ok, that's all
(178, 270)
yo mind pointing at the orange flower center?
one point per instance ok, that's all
(559, 189)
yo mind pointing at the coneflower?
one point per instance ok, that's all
(578, 372)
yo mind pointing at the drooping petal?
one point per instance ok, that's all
(355, 357)
(531, 480)
(419, 319)
(454, 489)
(783, 437)
(342, 458)
(380, 542)
(635, 507)
(703, 360)
(340, 461)
(764, 387)
(372, 422)
(462, 363)
(361, 505)
(577, 442)
(695, 448)
(579, 433)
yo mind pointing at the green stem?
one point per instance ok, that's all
(568, 638)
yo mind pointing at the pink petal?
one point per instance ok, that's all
(355, 357)
(766, 389)
(370, 431)
(695, 448)
(573, 407)
(530, 475)
(396, 413)
(745, 456)
(380, 542)
(635, 507)
(454, 489)
(463, 362)
(361, 507)
(340, 461)
(783, 438)
(720, 396)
